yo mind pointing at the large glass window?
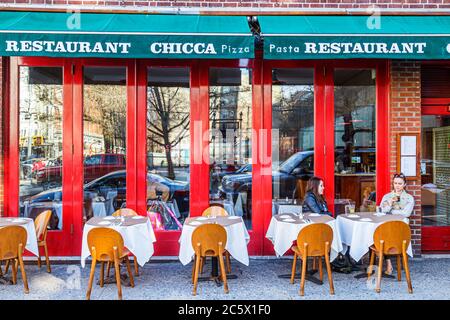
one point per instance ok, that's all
(354, 132)
(292, 134)
(435, 170)
(230, 123)
(41, 142)
(104, 137)
(168, 145)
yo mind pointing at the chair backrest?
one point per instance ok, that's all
(41, 224)
(217, 210)
(315, 235)
(209, 236)
(393, 233)
(104, 240)
(125, 212)
(10, 238)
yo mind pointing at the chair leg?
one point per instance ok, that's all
(108, 267)
(91, 275)
(304, 264)
(102, 274)
(1, 272)
(22, 270)
(14, 271)
(197, 269)
(399, 269)
(406, 266)
(320, 269)
(6, 266)
(314, 266)
(127, 260)
(39, 259)
(372, 261)
(136, 267)
(193, 268)
(380, 267)
(294, 267)
(327, 262)
(47, 260)
(222, 271)
(228, 259)
(117, 267)
(202, 264)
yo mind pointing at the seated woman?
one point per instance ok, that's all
(397, 201)
(314, 200)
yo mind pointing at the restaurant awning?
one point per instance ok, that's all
(344, 37)
(124, 35)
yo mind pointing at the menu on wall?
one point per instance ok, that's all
(408, 155)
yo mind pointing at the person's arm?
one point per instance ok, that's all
(312, 204)
(385, 205)
(407, 210)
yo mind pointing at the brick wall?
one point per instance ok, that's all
(405, 116)
(246, 4)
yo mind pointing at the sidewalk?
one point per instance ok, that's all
(259, 281)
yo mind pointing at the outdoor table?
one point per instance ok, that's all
(289, 208)
(284, 229)
(357, 232)
(136, 231)
(28, 224)
(276, 203)
(237, 240)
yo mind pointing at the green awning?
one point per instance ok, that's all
(343, 37)
(124, 35)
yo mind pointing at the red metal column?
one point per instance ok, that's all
(329, 136)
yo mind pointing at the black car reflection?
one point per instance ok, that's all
(115, 183)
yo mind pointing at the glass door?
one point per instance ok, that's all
(435, 177)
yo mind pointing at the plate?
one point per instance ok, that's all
(137, 217)
(195, 223)
(365, 219)
(284, 216)
(19, 220)
(104, 223)
(314, 215)
(379, 214)
(109, 218)
(288, 220)
(202, 218)
(352, 216)
(234, 217)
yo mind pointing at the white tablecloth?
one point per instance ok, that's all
(227, 205)
(289, 208)
(359, 234)
(237, 238)
(138, 239)
(283, 233)
(31, 245)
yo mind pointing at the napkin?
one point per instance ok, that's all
(285, 216)
(288, 220)
(234, 217)
(18, 220)
(137, 217)
(365, 219)
(195, 223)
(352, 216)
(202, 218)
(104, 223)
(314, 215)
(109, 218)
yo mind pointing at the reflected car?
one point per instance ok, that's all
(299, 166)
(116, 181)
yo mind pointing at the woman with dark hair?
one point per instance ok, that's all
(314, 200)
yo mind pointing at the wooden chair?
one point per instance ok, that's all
(106, 245)
(219, 211)
(41, 225)
(12, 244)
(216, 210)
(209, 240)
(391, 238)
(314, 241)
(125, 212)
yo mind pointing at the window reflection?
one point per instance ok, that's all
(292, 134)
(230, 122)
(168, 146)
(40, 142)
(354, 104)
(104, 134)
